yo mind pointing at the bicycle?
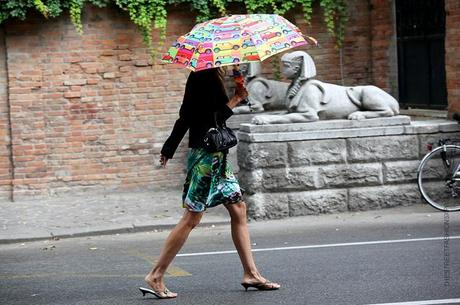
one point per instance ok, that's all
(438, 176)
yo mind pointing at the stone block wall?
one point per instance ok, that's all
(334, 166)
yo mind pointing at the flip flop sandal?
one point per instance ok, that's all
(267, 285)
(156, 293)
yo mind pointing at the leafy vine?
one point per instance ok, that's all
(146, 14)
(335, 15)
(75, 14)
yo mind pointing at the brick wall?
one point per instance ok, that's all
(452, 54)
(5, 173)
(382, 45)
(369, 50)
(92, 112)
(355, 68)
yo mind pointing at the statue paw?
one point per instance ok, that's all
(240, 109)
(259, 120)
(357, 116)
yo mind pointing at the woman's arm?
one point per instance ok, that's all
(224, 110)
(236, 99)
(181, 126)
(179, 130)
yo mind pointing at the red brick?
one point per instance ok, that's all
(72, 94)
(452, 58)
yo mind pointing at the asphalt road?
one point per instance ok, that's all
(378, 257)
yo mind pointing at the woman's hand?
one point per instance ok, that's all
(163, 161)
(240, 94)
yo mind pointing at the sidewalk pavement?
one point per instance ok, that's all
(98, 214)
(95, 214)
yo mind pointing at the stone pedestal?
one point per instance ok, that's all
(334, 165)
(234, 123)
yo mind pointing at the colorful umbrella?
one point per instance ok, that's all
(235, 39)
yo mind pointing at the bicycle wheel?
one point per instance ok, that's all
(439, 178)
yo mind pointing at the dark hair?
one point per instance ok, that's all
(217, 74)
(221, 73)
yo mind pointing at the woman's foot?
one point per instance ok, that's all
(258, 281)
(157, 285)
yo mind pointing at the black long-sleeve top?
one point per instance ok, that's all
(204, 95)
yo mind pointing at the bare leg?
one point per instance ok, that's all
(173, 244)
(241, 239)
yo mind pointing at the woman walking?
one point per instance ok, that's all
(205, 101)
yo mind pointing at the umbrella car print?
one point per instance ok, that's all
(235, 39)
(225, 46)
(226, 59)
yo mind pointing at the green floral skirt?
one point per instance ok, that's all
(208, 182)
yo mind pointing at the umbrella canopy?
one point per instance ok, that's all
(235, 39)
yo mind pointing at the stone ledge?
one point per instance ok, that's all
(432, 126)
(315, 131)
(326, 125)
(320, 134)
(427, 113)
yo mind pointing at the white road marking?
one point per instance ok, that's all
(426, 302)
(376, 242)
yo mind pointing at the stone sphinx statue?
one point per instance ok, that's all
(264, 94)
(309, 100)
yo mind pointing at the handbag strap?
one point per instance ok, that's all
(215, 121)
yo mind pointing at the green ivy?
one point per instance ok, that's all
(41, 7)
(146, 14)
(335, 15)
(220, 6)
(75, 14)
(307, 9)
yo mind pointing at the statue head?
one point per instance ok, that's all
(298, 64)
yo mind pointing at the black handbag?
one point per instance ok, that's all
(219, 138)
